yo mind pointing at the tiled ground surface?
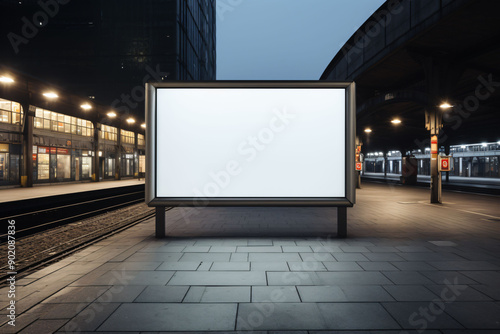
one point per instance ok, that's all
(407, 267)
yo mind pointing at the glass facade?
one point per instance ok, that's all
(52, 121)
(109, 133)
(128, 137)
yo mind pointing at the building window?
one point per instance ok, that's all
(127, 137)
(50, 120)
(109, 133)
(10, 112)
(140, 140)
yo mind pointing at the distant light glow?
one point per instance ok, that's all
(484, 144)
(51, 95)
(143, 125)
(445, 105)
(462, 146)
(6, 79)
(427, 148)
(130, 120)
(111, 114)
(368, 130)
(396, 121)
(86, 106)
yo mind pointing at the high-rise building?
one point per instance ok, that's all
(108, 49)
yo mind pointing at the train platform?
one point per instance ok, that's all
(48, 190)
(407, 266)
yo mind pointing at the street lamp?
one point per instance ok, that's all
(368, 130)
(86, 106)
(4, 79)
(445, 105)
(396, 121)
(130, 120)
(111, 114)
(143, 125)
(50, 95)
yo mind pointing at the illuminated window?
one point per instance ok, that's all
(140, 140)
(49, 120)
(10, 112)
(109, 133)
(127, 137)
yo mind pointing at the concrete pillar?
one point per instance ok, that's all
(118, 155)
(435, 125)
(385, 164)
(27, 137)
(96, 169)
(447, 152)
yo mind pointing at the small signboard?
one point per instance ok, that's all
(444, 164)
(359, 166)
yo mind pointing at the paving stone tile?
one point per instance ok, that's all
(260, 242)
(358, 293)
(218, 278)
(43, 326)
(306, 266)
(58, 311)
(174, 266)
(154, 257)
(377, 266)
(273, 257)
(354, 249)
(491, 291)
(326, 249)
(353, 278)
(134, 277)
(382, 249)
(342, 266)
(430, 256)
(226, 294)
(259, 249)
(463, 293)
(162, 294)
(136, 265)
(356, 316)
(121, 294)
(383, 257)
(484, 277)
(285, 316)
(349, 257)
(410, 293)
(205, 257)
(440, 277)
(77, 294)
(418, 315)
(413, 266)
(475, 315)
(162, 249)
(312, 257)
(280, 242)
(91, 317)
(413, 249)
(293, 278)
(296, 249)
(205, 266)
(172, 317)
(222, 249)
(269, 266)
(463, 265)
(228, 266)
(407, 277)
(239, 257)
(196, 249)
(275, 294)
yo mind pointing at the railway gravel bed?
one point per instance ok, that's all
(34, 249)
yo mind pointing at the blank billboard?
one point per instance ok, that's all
(246, 143)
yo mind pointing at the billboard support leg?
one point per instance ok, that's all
(342, 222)
(160, 222)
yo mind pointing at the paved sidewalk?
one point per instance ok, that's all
(39, 191)
(406, 267)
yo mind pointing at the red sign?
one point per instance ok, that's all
(34, 157)
(445, 164)
(359, 166)
(62, 151)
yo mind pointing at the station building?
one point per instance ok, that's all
(65, 138)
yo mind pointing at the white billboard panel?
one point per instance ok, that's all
(249, 143)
